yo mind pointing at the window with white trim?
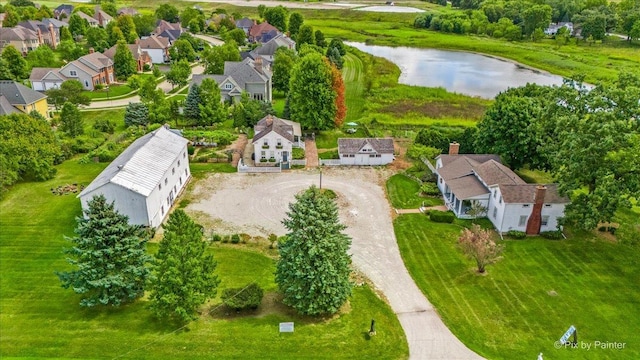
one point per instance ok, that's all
(523, 220)
(545, 220)
(495, 212)
(173, 171)
(73, 73)
(228, 86)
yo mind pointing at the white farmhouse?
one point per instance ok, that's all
(365, 151)
(274, 140)
(511, 203)
(145, 180)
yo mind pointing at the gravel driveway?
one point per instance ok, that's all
(256, 204)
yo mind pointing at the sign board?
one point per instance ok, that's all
(286, 327)
(565, 337)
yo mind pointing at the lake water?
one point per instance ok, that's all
(458, 71)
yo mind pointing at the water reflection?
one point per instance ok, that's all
(457, 71)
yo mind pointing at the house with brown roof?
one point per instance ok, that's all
(365, 151)
(171, 31)
(274, 140)
(21, 38)
(93, 22)
(262, 32)
(102, 17)
(142, 57)
(510, 203)
(91, 69)
(46, 31)
(157, 47)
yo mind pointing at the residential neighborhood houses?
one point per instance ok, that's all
(247, 76)
(90, 70)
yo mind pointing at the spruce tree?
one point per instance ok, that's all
(183, 271)
(109, 256)
(314, 267)
(136, 114)
(191, 104)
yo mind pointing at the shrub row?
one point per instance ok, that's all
(441, 216)
(553, 235)
(516, 234)
(248, 297)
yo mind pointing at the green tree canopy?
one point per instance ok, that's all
(192, 103)
(182, 50)
(124, 64)
(77, 25)
(283, 62)
(305, 36)
(69, 91)
(312, 98)
(42, 56)
(215, 56)
(28, 150)
(179, 73)
(277, 16)
(108, 256)
(314, 267)
(295, 21)
(167, 12)
(16, 64)
(212, 109)
(184, 272)
(71, 120)
(249, 111)
(69, 50)
(97, 38)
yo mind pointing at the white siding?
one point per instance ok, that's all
(272, 140)
(157, 55)
(366, 159)
(125, 201)
(176, 181)
(554, 212)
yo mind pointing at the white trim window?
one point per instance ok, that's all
(523, 220)
(73, 73)
(545, 220)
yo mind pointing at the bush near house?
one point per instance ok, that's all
(516, 234)
(441, 216)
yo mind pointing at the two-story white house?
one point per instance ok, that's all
(145, 180)
(274, 140)
(511, 203)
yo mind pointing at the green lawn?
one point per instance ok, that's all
(531, 297)
(404, 193)
(353, 75)
(114, 91)
(328, 139)
(40, 319)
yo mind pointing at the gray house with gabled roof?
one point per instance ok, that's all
(250, 76)
(145, 180)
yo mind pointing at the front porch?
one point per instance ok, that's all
(459, 207)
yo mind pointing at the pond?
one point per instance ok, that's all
(457, 71)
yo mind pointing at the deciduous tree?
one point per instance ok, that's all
(98, 39)
(305, 36)
(124, 64)
(477, 244)
(215, 56)
(28, 150)
(295, 21)
(71, 120)
(77, 25)
(314, 267)
(16, 64)
(69, 91)
(109, 257)
(277, 16)
(168, 13)
(184, 272)
(284, 59)
(179, 73)
(312, 99)
(340, 101)
(212, 109)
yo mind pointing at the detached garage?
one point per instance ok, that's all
(365, 151)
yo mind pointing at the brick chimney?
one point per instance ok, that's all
(535, 219)
(52, 34)
(40, 40)
(91, 50)
(257, 64)
(454, 147)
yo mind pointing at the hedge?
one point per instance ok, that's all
(441, 216)
(248, 297)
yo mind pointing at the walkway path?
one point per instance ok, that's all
(311, 154)
(421, 210)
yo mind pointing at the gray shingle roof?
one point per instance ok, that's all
(467, 187)
(96, 60)
(459, 167)
(5, 107)
(142, 165)
(18, 94)
(271, 123)
(18, 33)
(480, 158)
(525, 194)
(154, 42)
(493, 173)
(353, 145)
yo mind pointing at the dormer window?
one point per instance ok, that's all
(73, 73)
(228, 86)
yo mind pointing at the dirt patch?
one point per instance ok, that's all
(400, 147)
(436, 109)
(237, 147)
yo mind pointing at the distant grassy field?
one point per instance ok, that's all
(532, 295)
(39, 319)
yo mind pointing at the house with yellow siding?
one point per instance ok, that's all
(15, 97)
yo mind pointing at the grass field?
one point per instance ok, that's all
(532, 295)
(404, 193)
(114, 91)
(39, 319)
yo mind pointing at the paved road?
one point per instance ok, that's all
(210, 39)
(164, 85)
(366, 212)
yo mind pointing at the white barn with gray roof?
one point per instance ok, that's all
(365, 151)
(146, 179)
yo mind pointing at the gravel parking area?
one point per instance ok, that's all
(256, 204)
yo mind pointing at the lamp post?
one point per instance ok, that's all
(108, 98)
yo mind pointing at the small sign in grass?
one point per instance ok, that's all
(286, 327)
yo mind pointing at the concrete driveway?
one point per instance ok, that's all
(257, 203)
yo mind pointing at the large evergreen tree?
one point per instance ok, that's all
(314, 267)
(312, 99)
(184, 276)
(124, 64)
(109, 256)
(192, 103)
(136, 114)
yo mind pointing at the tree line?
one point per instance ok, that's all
(111, 266)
